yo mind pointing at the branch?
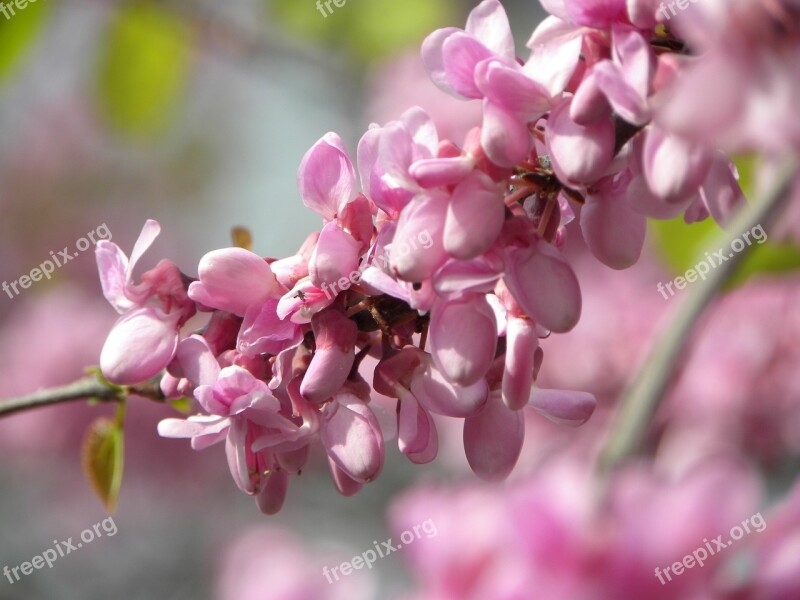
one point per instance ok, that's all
(88, 387)
(644, 394)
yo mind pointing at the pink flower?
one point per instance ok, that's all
(738, 93)
(440, 280)
(352, 437)
(424, 216)
(257, 432)
(480, 63)
(547, 536)
(519, 372)
(452, 55)
(580, 154)
(475, 216)
(544, 285)
(493, 439)
(268, 563)
(335, 337)
(626, 79)
(144, 339)
(233, 280)
(326, 178)
(614, 231)
(463, 338)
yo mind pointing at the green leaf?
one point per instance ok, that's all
(103, 459)
(182, 405)
(144, 69)
(682, 246)
(18, 33)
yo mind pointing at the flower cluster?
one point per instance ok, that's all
(434, 283)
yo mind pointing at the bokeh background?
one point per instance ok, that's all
(196, 114)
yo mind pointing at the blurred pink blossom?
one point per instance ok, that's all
(268, 563)
(554, 535)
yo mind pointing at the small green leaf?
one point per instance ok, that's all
(121, 390)
(681, 245)
(144, 69)
(103, 459)
(182, 405)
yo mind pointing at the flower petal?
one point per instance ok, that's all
(461, 53)
(139, 346)
(421, 220)
(326, 177)
(335, 257)
(563, 406)
(518, 371)
(233, 279)
(613, 231)
(580, 153)
(488, 22)
(493, 440)
(352, 437)
(475, 216)
(546, 287)
(442, 397)
(463, 337)
(335, 337)
(504, 136)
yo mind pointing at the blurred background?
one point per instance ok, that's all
(197, 114)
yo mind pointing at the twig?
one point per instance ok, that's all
(88, 387)
(642, 397)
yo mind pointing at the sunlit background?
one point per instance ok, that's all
(197, 114)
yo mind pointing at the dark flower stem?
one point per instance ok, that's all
(641, 399)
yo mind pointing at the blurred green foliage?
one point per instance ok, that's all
(144, 67)
(682, 246)
(366, 29)
(18, 33)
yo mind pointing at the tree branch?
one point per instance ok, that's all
(88, 387)
(644, 394)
